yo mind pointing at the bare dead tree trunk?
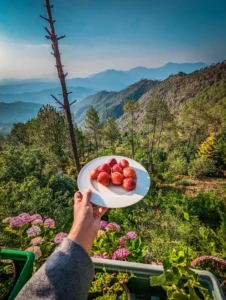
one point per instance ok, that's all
(132, 119)
(66, 106)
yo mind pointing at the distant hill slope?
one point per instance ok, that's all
(179, 88)
(107, 103)
(44, 97)
(111, 102)
(18, 111)
(110, 80)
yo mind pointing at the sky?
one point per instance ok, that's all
(109, 34)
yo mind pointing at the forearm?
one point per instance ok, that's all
(67, 274)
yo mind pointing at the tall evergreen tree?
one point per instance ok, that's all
(130, 108)
(93, 124)
(111, 131)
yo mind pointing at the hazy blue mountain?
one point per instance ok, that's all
(44, 97)
(18, 111)
(110, 80)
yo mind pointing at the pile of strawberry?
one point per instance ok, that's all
(118, 174)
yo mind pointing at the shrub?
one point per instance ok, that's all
(184, 183)
(201, 167)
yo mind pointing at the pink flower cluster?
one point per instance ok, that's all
(113, 227)
(33, 231)
(23, 218)
(49, 223)
(103, 224)
(130, 235)
(119, 254)
(60, 237)
(17, 222)
(36, 250)
(37, 241)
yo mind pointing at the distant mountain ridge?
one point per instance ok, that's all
(179, 88)
(18, 111)
(110, 80)
(111, 103)
(44, 97)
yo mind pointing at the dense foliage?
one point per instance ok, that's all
(37, 174)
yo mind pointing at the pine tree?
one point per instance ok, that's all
(130, 108)
(92, 123)
(207, 148)
(111, 131)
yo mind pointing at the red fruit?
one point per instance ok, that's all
(117, 178)
(129, 172)
(116, 168)
(94, 174)
(123, 163)
(129, 184)
(112, 162)
(104, 178)
(105, 168)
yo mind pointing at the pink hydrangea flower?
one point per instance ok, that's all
(16, 222)
(33, 231)
(25, 217)
(119, 254)
(60, 237)
(99, 256)
(122, 240)
(36, 250)
(113, 227)
(49, 223)
(35, 217)
(6, 220)
(37, 241)
(103, 224)
(131, 235)
(37, 222)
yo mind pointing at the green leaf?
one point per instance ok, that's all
(158, 280)
(171, 278)
(178, 296)
(193, 295)
(186, 216)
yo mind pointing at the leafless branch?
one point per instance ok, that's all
(57, 101)
(73, 102)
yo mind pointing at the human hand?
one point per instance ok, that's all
(86, 220)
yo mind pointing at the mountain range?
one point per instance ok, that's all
(175, 90)
(44, 97)
(106, 91)
(110, 80)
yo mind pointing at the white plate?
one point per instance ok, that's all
(113, 196)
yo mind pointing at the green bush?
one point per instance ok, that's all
(201, 167)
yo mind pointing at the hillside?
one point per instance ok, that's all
(44, 97)
(110, 80)
(179, 88)
(18, 111)
(107, 103)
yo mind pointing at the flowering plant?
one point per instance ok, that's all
(35, 235)
(111, 244)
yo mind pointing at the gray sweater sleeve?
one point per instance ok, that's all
(67, 274)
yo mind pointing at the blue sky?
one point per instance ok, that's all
(107, 34)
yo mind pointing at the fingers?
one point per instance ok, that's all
(77, 197)
(102, 211)
(86, 197)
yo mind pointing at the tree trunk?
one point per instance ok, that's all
(153, 137)
(53, 37)
(132, 142)
(160, 134)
